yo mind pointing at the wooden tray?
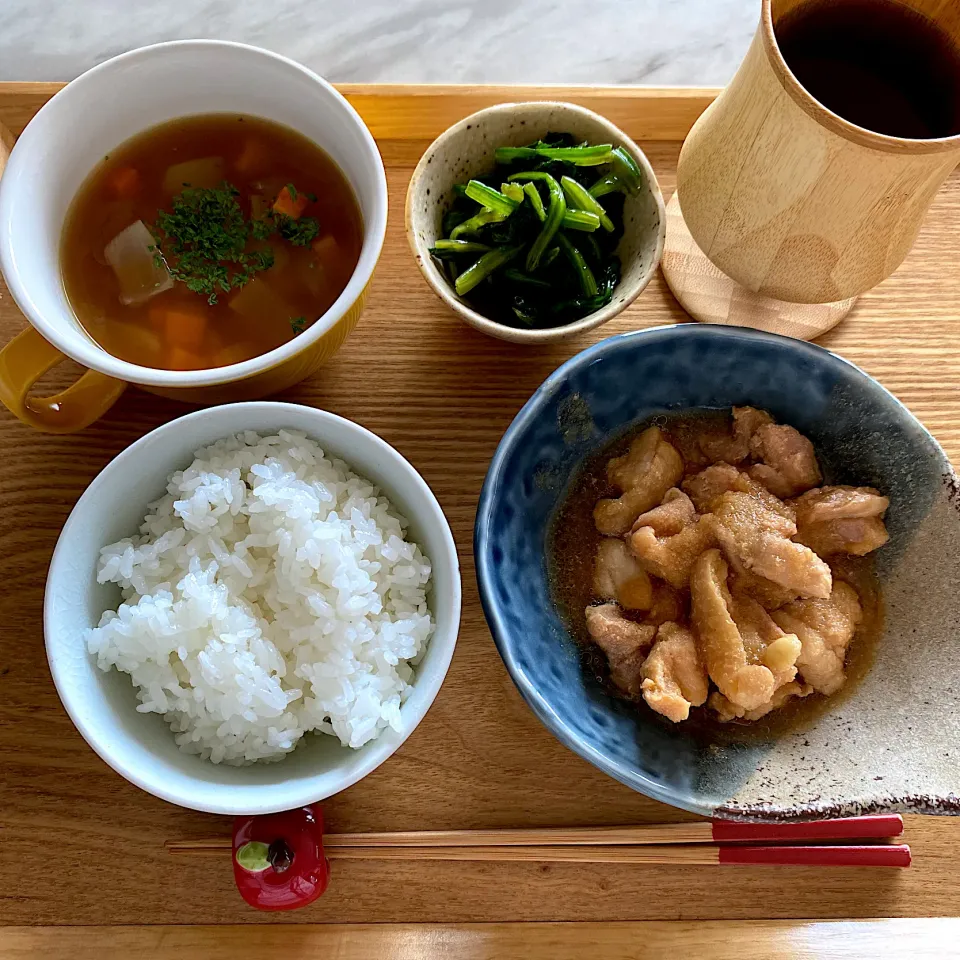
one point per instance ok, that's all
(83, 846)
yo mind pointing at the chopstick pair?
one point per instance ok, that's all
(705, 842)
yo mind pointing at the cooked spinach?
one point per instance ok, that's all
(533, 242)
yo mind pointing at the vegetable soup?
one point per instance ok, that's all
(208, 240)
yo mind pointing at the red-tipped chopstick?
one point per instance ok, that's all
(879, 855)
(701, 854)
(866, 855)
(878, 827)
(718, 841)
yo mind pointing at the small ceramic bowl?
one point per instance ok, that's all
(890, 742)
(140, 746)
(467, 150)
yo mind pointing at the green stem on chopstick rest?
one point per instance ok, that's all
(486, 265)
(555, 212)
(578, 198)
(609, 183)
(588, 283)
(490, 198)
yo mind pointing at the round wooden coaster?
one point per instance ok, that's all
(712, 297)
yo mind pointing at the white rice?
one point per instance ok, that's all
(271, 592)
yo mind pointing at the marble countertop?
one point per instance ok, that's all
(697, 42)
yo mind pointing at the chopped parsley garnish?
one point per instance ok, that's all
(298, 324)
(261, 229)
(203, 239)
(301, 232)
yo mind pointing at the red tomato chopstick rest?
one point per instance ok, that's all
(278, 859)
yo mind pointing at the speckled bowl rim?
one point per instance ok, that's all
(441, 287)
(482, 545)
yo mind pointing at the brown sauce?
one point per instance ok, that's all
(572, 543)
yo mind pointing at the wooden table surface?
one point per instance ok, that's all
(83, 846)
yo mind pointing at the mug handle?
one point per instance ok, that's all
(28, 357)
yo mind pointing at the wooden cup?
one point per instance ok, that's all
(790, 200)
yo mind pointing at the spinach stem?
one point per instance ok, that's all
(518, 276)
(536, 201)
(555, 212)
(513, 191)
(490, 198)
(588, 283)
(460, 246)
(582, 220)
(486, 265)
(585, 156)
(578, 197)
(477, 221)
(626, 168)
(610, 183)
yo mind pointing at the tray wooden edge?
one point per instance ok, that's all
(424, 111)
(708, 940)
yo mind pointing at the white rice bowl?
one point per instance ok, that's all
(270, 593)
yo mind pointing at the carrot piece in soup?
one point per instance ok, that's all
(234, 353)
(180, 359)
(124, 182)
(290, 203)
(180, 326)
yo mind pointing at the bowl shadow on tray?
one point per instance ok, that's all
(885, 745)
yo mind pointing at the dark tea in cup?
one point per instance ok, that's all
(876, 63)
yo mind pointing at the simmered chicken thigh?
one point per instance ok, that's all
(675, 513)
(706, 487)
(727, 711)
(758, 534)
(674, 677)
(712, 572)
(825, 628)
(624, 642)
(672, 558)
(735, 668)
(768, 594)
(788, 464)
(849, 520)
(644, 475)
(618, 576)
(735, 446)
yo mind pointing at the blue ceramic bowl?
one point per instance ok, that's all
(891, 743)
